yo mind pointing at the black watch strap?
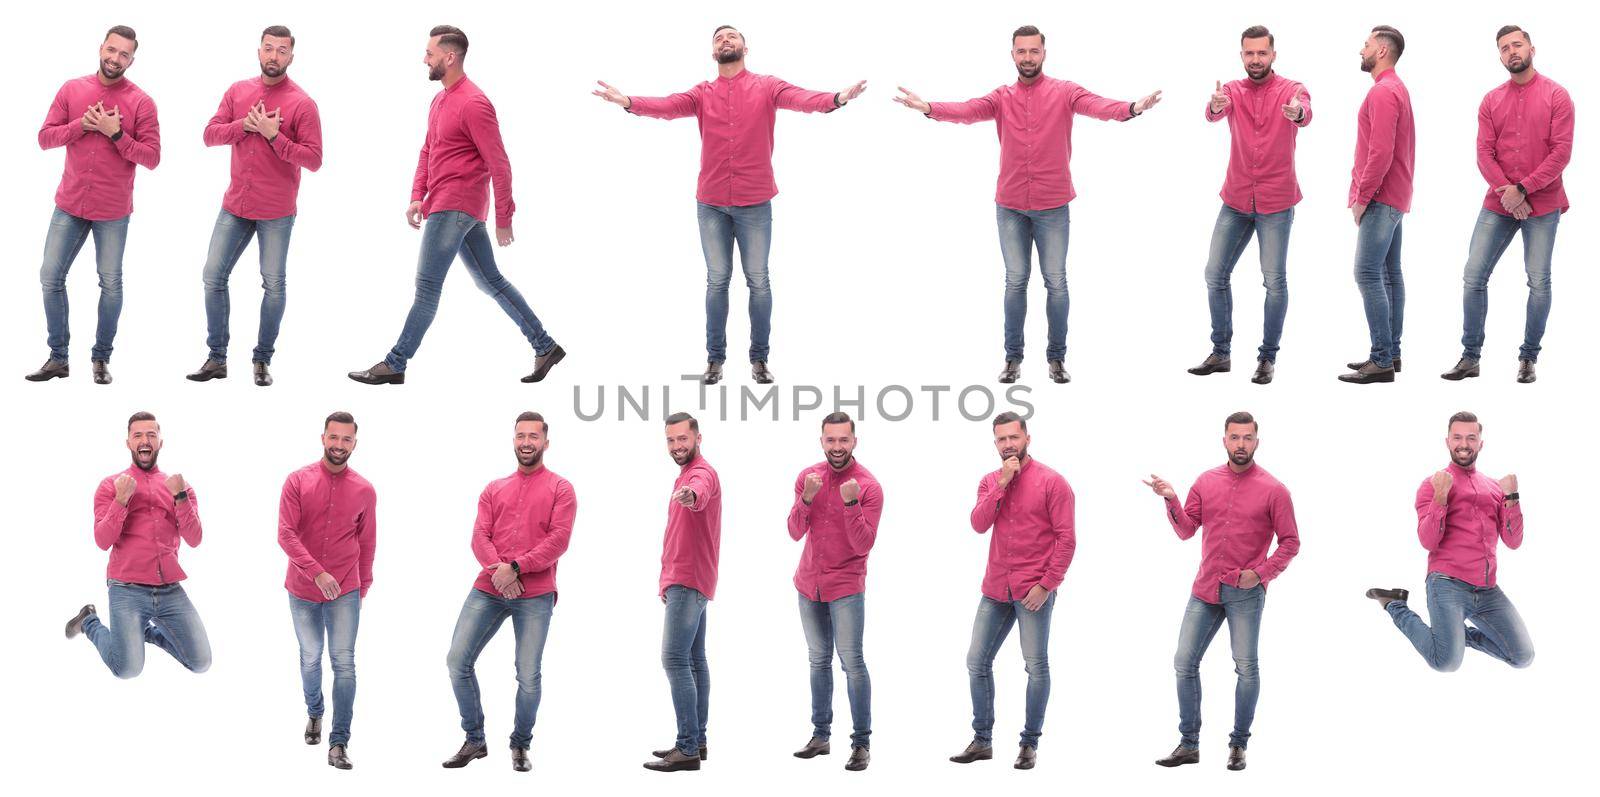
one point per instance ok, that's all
(516, 568)
(181, 495)
(117, 136)
(1513, 496)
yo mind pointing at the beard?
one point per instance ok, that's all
(1021, 454)
(1241, 457)
(840, 462)
(1368, 62)
(1519, 66)
(336, 457)
(1464, 457)
(272, 70)
(436, 72)
(529, 460)
(730, 56)
(687, 456)
(1029, 72)
(154, 455)
(110, 71)
(1258, 73)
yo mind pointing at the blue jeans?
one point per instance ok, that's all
(481, 616)
(336, 620)
(67, 235)
(1496, 627)
(830, 625)
(228, 239)
(683, 656)
(1020, 232)
(161, 616)
(446, 234)
(751, 227)
(1383, 289)
(1201, 620)
(1490, 238)
(1228, 241)
(990, 628)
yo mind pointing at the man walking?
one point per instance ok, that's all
(461, 156)
(1380, 195)
(1033, 118)
(273, 129)
(837, 504)
(108, 126)
(1265, 112)
(328, 526)
(737, 113)
(524, 525)
(1241, 508)
(1524, 144)
(1030, 508)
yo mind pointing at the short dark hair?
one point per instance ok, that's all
(1391, 37)
(1512, 29)
(341, 416)
(1008, 416)
(544, 425)
(1464, 417)
(279, 31)
(125, 32)
(680, 417)
(141, 415)
(1241, 417)
(1256, 32)
(721, 28)
(1026, 30)
(839, 417)
(450, 38)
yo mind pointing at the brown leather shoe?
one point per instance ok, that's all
(1264, 371)
(379, 374)
(337, 757)
(1525, 372)
(469, 752)
(1213, 364)
(674, 761)
(1369, 373)
(817, 746)
(313, 730)
(666, 752)
(712, 375)
(977, 751)
(75, 625)
(1235, 759)
(209, 370)
(1384, 596)
(1058, 372)
(102, 372)
(519, 760)
(1027, 756)
(544, 362)
(262, 375)
(1179, 756)
(1466, 368)
(1011, 373)
(52, 369)
(860, 757)
(759, 372)
(1357, 366)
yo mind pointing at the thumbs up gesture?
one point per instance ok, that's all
(1220, 99)
(1294, 111)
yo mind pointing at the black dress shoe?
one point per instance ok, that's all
(52, 369)
(1027, 756)
(1011, 373)
(75, 625)
(379, 374)
(1369, 373)
(209, 370)
(1466, 368)
(666, 752)
(519, 760)
(817, 746)
(1263, 374)
(1180, 755)
(1214, 364)
(102, 372)
(1235, 759)
(544, 362)
(313, 730)
(465, 756)
(977, 751)
(1525, 372)
(1384, 596)
(1357, 366)
(759, 372)
(263, 376)
(859, 758)
(674, 761)
(712, 375)
(337, 757)
(1058, 372)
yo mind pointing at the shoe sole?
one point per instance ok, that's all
(1212, 371)
(812, 755)
(686, 766)
(205, 378)
(397, 379)
(1383, 379)
(1452, 377)
(31, 378)
(481, 754)
(974, 758)
(1178, 763)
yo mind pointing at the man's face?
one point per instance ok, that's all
(338, 442)
(529, 442)
(1011, 441)
(438, 59)
(1257, 55)
(116, 55)
(1516, 54)
(1240, 441)
(1369, 53)
(1027, 52)
(727, 46)
(144, 441)
(1465, 441)
(276, 55)
(838, 444)
(683, 443)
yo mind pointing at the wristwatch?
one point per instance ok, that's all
(116, 136)
(516, 568)
(852, 503)
(1513, 496)
(181, 495)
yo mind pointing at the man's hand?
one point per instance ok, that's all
(328, 584)
(1219, 100)
(609, 94)
(176, 484)
(504, 236)
(1522, 211)
(1294, 111)
(1160, 487)
(1441, 487)
(512, 590)
(268, 123)
(1248, 579)
(125, 486)
(109, 123)
(684, 496)
(910, 99)
(1035, 598)
(414, 215)
(1357, 211)
(812, 486)
(850, 491)
(252, 118)
(1510, 197)
(1008, 470)
(1508, 484)
(91, 118)
(504, 576)
(1147, 103)
(852, 92)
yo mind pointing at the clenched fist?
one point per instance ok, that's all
(1508, 484)
(1441, 487)
(125, 486)
(1008, 470)
(176, 484)
(850, 491)
(813, 486)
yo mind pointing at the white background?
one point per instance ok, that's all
(886, 271)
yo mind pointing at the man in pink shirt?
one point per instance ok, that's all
(1462, 517)
(461, 157)
(1241, 508)
(1380, 195)
(1524, 144)
(141, 515)
(524, 525)
(1033, 118)
(1029, 507)
(737, 113)
(688, 582)
(1265, 112)
(108, 126)
(837, 504)
(328, 525)
(273, 129)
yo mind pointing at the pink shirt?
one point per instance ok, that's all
(1033, 538)
(1034, 122)
(327, 523)
(1525, 136)
(1386, 145)
(736, 116)
(143, 536)
(97, 182)
(1462, 535)
(1261, 156)
(265, 176)
(694, 534)
(838, 537)
(462, 155)
(1241, 513)
(524, 518)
